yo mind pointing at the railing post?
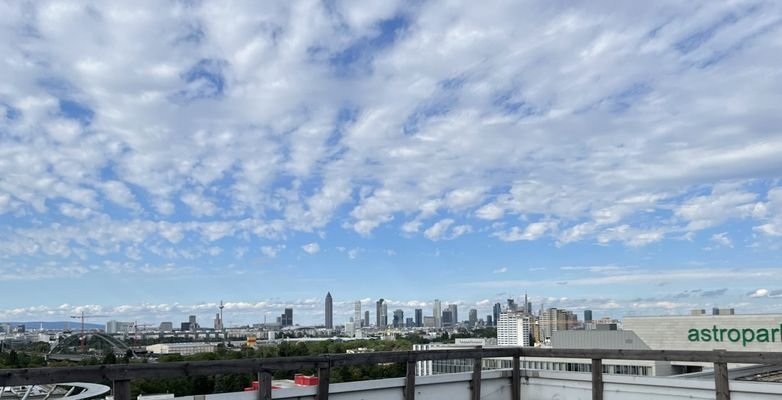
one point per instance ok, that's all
(324, 372)
(721, 381)
(410, 380)
(515, 385)
(122, 389)
(264, 385)
(597, 379)
(476, 378)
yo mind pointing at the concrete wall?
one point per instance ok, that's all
(671, 332)
(606, 340)
(536, 385)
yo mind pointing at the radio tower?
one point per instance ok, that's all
(222, 325)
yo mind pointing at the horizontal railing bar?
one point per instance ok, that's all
(11, 377)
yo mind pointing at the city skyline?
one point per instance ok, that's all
(623, 158)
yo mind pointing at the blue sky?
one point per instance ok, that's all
(157, 159)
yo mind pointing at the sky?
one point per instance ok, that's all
(159, 157)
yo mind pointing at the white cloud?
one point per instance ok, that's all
(272, 251)
(311, 248)
(500, 270)
(722, 239)
(759, 293)
(438, 229)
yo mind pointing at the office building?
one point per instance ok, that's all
(185, 349)
(512, 305)
(409, 323)
(366, 318)
(513, 329)
(446, 319)
(419, 317)
(553, 320)
(357, 314)
(218, 322)
(454, 314)
(399, 318)
(698, 311)
(489, 320)
(166, 326)
(429, 322)
(473, 317)
(382, 313)
(193, 323)
(184, 327)
(329, 311)
(496, 312)
(114, 327)
(286, 319)
(437, 313)
(587, 315)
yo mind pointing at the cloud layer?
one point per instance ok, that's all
(168, 134)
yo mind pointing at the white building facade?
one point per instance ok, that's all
(513, 329)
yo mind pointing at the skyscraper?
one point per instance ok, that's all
(437, 313)
(496, 312)
(587, 315)
(329, 311)
(419, 317)
(399, 318)
(366, 318)
(382, 313)
(447, 317)
(473, 317)
(357, 314)
(454, 314)
(286, 319)
(378, 312)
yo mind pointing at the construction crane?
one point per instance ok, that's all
(136, 325)
(82, 317)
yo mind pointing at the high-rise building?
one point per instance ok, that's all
(366, 318)
(587, 315)
(286, 319)
(473, 317)
(513, 329)
(437, 313)
(166, 326)
(489, 320)
(399, 318)
(218, 322)
(329, 311)
(496, 312)
(193, 323)
(409, 322)
(113, 327)
(552, 320)
(357, 314)
(455, 314)
(419, 317)
(511, 305)
(446, 319)
(382, 313)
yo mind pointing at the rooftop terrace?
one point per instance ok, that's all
(513, 383)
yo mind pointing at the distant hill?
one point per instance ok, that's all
(56, 325)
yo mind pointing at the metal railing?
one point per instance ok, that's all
(122, 374)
